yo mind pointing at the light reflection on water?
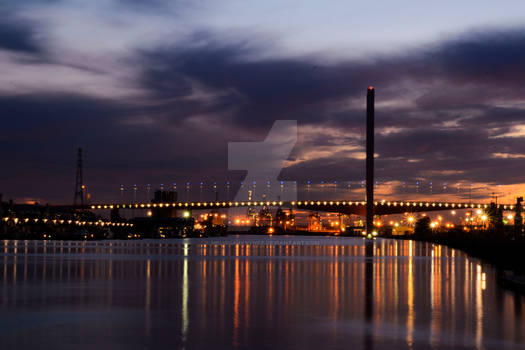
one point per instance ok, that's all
(252, 292)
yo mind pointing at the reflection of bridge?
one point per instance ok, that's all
(343, 207)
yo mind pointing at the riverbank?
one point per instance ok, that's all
(506, 254)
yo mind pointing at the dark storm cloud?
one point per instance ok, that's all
(296, 89)
(41, 133)
(261, 91)
(207, 93)
(451, 128)
(17, 35)
(491, 57)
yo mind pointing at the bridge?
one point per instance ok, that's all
(367, 208)
(343, 206)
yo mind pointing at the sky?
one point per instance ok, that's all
(154, 91)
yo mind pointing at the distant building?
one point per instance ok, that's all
(402, 230)
(163, 227)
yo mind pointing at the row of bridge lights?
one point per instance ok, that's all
(293, 203)
(181, 204)
(69, 222)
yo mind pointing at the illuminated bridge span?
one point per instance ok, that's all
(101, 223)
(344, 207)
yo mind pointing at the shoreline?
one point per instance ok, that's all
(507, 256)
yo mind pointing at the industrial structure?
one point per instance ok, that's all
(370, 162)
(79, 181)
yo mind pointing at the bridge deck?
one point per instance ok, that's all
(346, 207)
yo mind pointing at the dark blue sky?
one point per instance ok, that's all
(154, 93)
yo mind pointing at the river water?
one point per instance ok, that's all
(252, 292)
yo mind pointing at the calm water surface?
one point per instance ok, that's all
(252, 292)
